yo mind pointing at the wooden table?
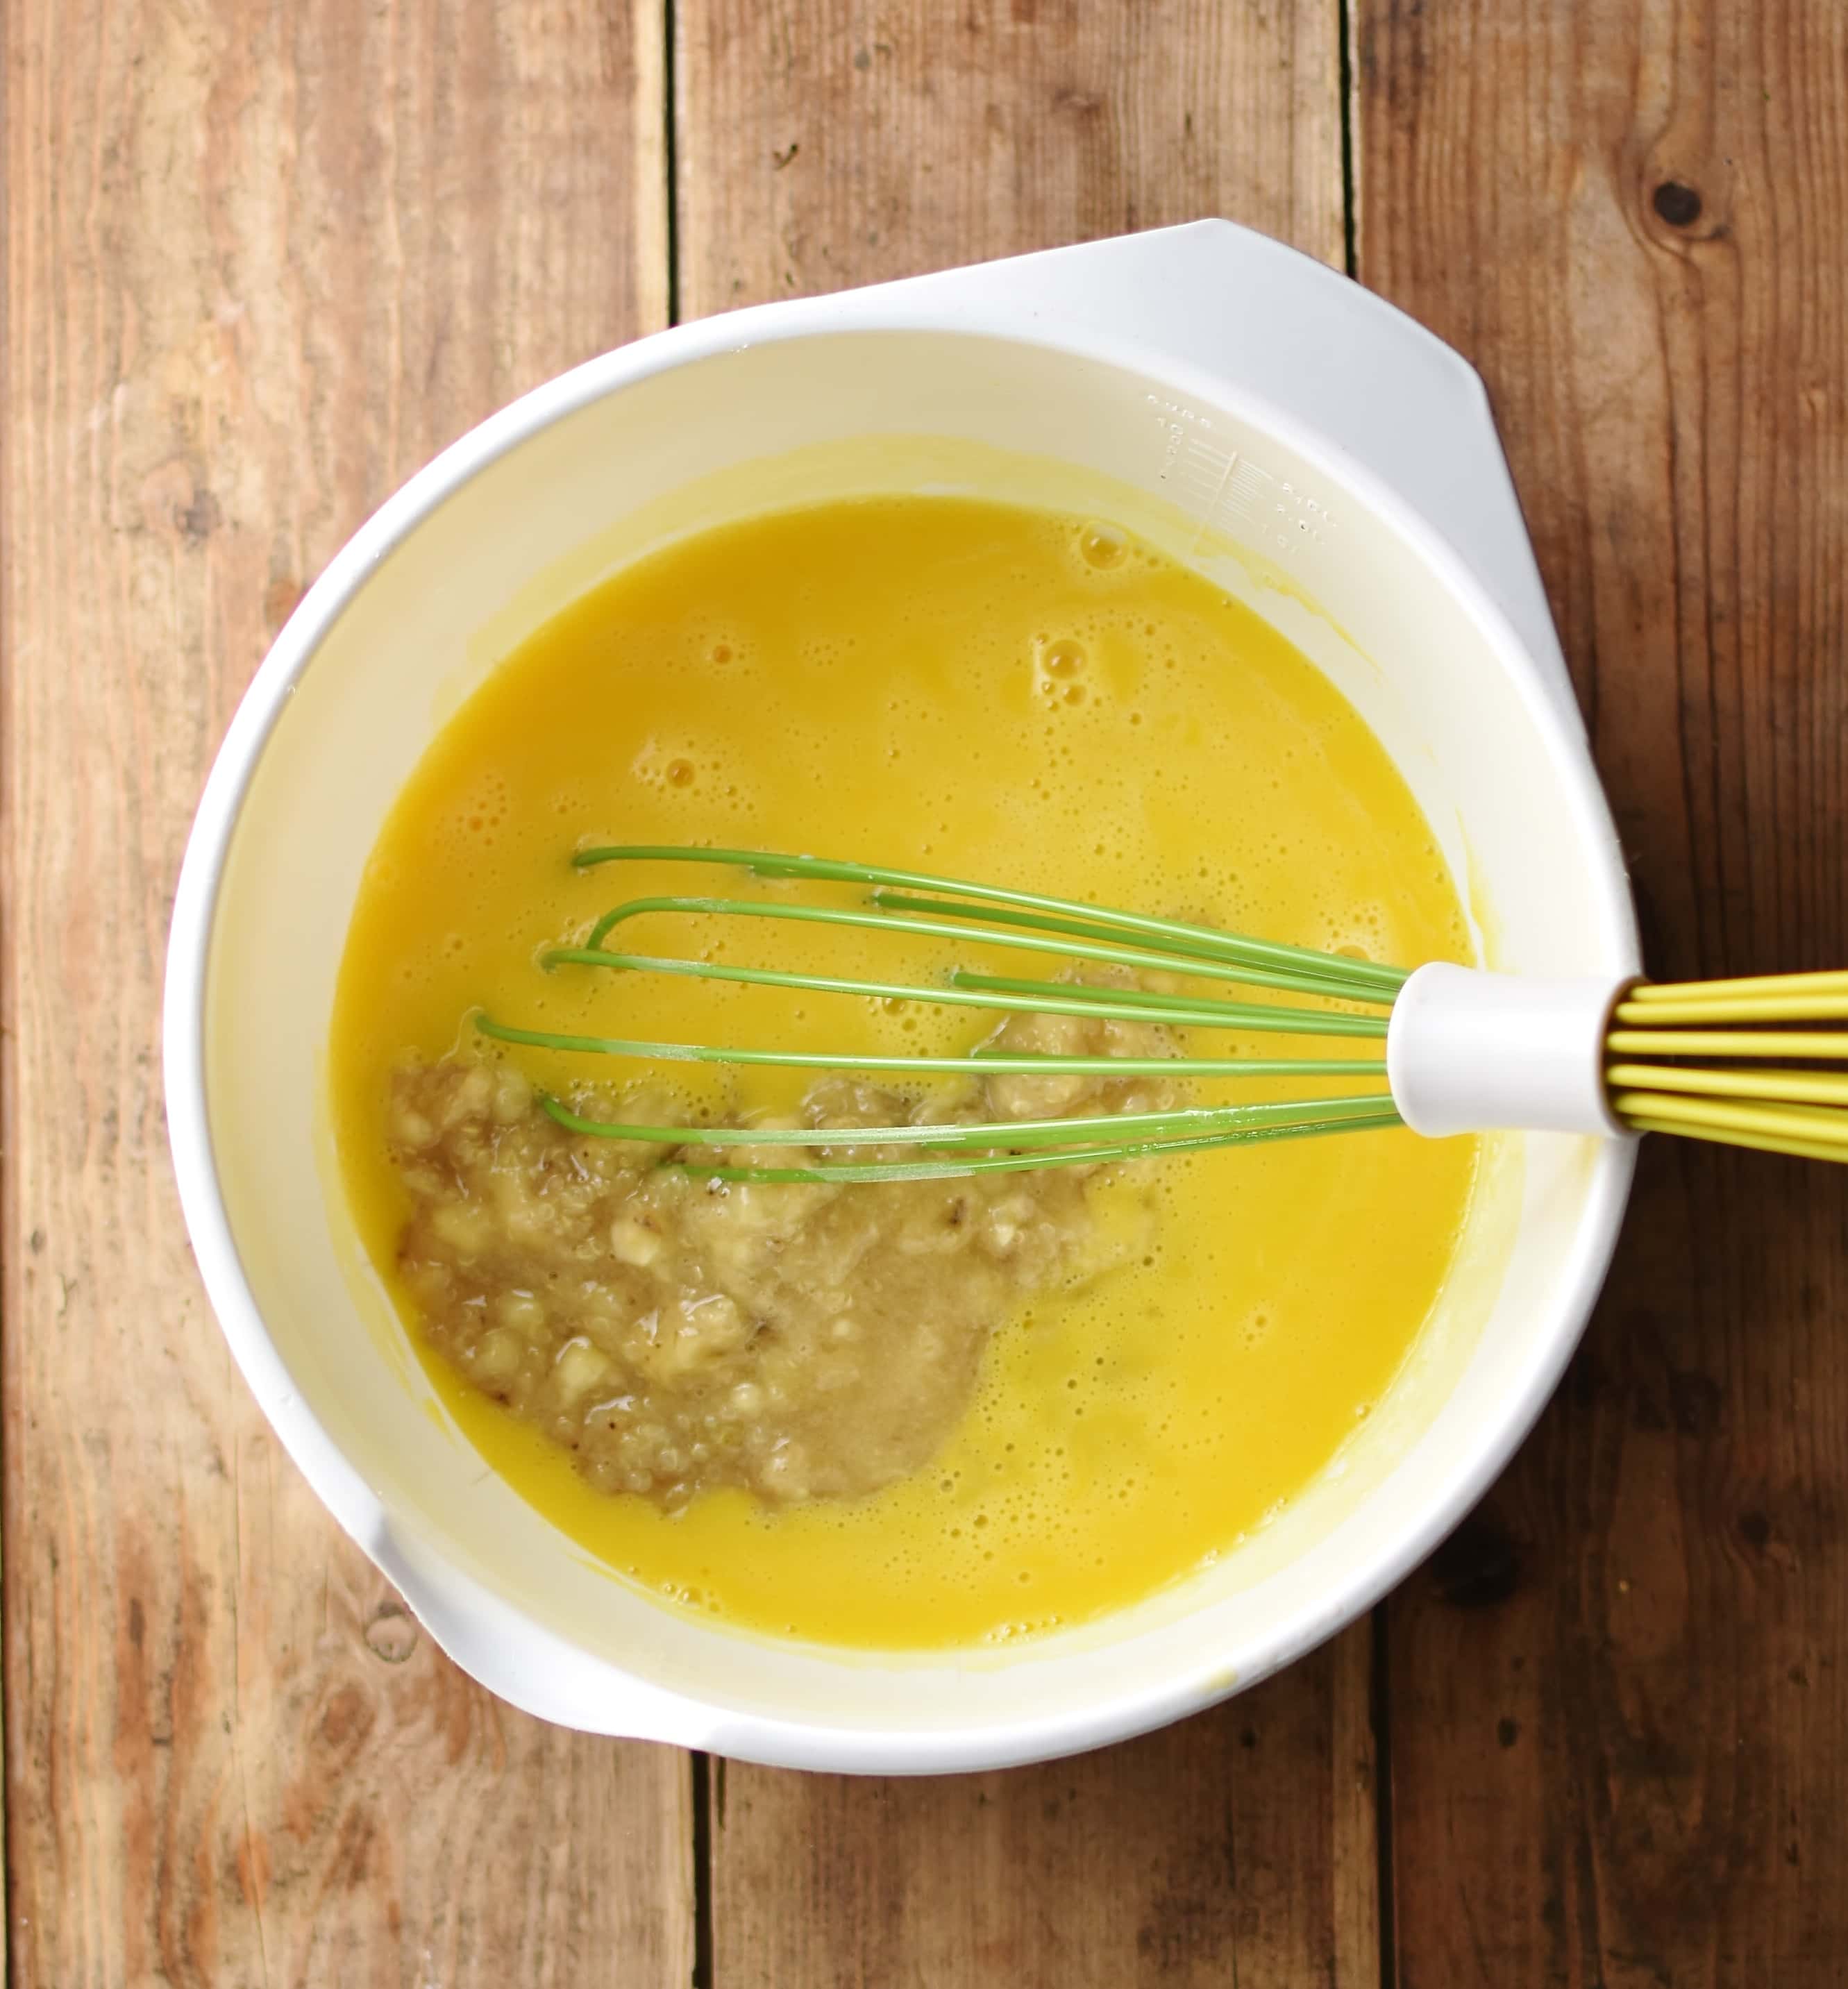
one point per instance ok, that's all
(263, 257)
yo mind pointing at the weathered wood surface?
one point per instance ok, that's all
(1620, 1697)
(820, 143)
(1237, 1846)
(261, 260)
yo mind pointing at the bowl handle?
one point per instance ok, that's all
(518, 1660)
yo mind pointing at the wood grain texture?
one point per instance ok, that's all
(1238, 1846)
(262, 258)
(828, 145)
(1619, 1696)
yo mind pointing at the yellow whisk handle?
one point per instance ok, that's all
(1739, 1061)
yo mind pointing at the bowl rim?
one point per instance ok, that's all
(1196, 1680)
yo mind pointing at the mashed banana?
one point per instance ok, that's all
(678, 1333)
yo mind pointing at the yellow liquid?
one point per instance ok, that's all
(984, 693)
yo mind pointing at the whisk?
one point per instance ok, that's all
(1449, 1049)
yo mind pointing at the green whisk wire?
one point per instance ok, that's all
(1181, 1010)
(1199, 941)
(955, 910)
(980, 1063)
(1129, 1128)
(953, 1165)
(1039, 997)
(1095, 943)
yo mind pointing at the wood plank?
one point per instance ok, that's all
(824, 143)
(263, 256)
(1619, 1696)
(840, 143)
(1238, 1846)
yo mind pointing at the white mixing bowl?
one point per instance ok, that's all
(1270, 423)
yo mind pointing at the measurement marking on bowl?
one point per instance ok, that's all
(1226, 491)
(1175, 421)
(1278, 514)
(1248, 503)
(1204, 470)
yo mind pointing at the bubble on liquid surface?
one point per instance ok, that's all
(1102, 545)
(1059, 664)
